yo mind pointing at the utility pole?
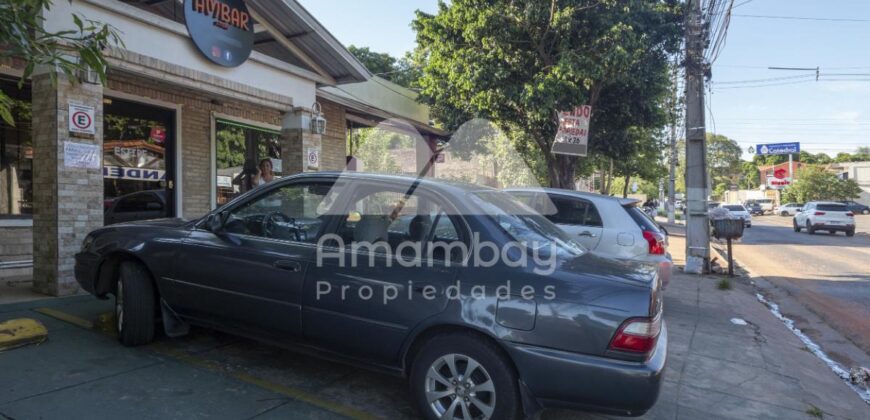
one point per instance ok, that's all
(672, 174)
(697, 224)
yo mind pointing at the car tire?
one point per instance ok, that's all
(135, 303)
(865, 211)
(850, 233)
(432, 376)
(810, 228)
(797, 227)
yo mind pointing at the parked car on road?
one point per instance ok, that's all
(271, 265)
(856, 207)
(612, 227)
(765, 203)
(788, 209)
(738, 211)
(754, 208)
(825, 215)
(142, 205)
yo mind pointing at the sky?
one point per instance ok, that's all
(831, 115)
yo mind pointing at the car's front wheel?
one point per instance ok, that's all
(134, 305)
(797, 227)
(785, 213)
(461, 375)
(865, 211)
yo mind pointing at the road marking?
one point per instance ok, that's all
(65, 317)
(166, 350)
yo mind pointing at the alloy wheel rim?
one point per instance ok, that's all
(119, 306)
(457, 386)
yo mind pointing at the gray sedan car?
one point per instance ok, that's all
(488, 309)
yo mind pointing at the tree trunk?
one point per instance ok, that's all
(625, 187)
(561, 171)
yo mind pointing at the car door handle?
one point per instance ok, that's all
(587, 233)
(288, 265)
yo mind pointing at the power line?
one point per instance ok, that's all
(770, 79)
(801, 18)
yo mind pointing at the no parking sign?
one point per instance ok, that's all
(81, 119)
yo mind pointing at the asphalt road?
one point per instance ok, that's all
(828, 274)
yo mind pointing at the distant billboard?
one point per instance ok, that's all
(778, 148)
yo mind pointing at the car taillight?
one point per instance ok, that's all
(850, 214)
(637, 335)
(656, 242)
(819, 213)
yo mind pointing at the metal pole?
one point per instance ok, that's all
(697, 225)
(790, 174)
(672, 176)
(730, 260)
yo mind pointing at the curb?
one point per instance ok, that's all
(21, 332)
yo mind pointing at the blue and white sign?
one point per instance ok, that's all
(778, 148)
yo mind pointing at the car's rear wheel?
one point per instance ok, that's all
(134, 305)
(865, 211)
(785, 213)
(850, 232)
(810, 228)
(460, 375)
(797, 227)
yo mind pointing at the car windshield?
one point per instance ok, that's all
(735, 208)
(532, 230)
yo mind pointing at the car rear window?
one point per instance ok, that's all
(642, 220)
(831, 207)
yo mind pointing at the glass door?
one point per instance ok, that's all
(138, 161)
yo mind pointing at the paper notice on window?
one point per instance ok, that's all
(81, 155)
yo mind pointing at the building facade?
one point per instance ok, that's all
(173, 128)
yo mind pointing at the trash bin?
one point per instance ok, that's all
(727, 228)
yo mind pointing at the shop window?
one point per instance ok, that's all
(16, 155)
(245, 156)
(138, 146)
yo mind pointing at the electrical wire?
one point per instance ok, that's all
(771, 79)
(801, 18)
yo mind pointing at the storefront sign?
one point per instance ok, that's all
(136, 174)
(222, 30)
(313, 158)
(573, 133)
(81, 155)
(81, 120)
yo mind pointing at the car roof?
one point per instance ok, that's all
(444, 184)
(580, 194)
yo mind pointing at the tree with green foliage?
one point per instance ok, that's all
(723, 159)
(403, 71)
(813, 183)
(22, 36)
(519, 62)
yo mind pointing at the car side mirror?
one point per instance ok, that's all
(215, 222)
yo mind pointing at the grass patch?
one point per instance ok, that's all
(724, 284)
(816, 412)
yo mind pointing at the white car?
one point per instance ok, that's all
(740, 212)
(789, 209)
(825, 215)
(609, 226)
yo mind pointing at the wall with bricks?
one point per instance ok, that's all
(334, 142)
(67, 201)
(196, 109)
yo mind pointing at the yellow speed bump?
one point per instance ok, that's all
(21, 332)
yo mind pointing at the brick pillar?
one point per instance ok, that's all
(67, 202)
(296, 140)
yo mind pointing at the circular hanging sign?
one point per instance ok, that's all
(222, 30)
